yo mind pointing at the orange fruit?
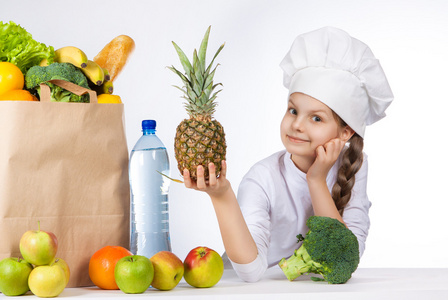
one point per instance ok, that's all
(11, 78)
(102, 266)
(22, 95)
(108, 98)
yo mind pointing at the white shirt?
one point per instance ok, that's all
(275, 202)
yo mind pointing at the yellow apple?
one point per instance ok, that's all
(47, 281)
(168, 270)
(63, 264)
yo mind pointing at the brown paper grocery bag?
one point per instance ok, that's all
(66, 165)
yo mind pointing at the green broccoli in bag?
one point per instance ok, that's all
(65, 71)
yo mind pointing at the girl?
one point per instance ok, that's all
(336, 88)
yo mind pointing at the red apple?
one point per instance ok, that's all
(168, 270)
(38, 247)
(203, 267)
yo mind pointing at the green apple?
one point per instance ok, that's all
(203, 267)
(63, 264)
(47, 281)
(168, 270)
(14, 274)
(134, 274)
(38, 247)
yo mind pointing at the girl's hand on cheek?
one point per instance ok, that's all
(215, 187)
(326, 156)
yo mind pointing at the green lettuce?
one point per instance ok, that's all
(18, 47)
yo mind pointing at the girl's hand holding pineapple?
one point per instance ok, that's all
(215, 187)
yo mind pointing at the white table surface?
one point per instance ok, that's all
(365, 284)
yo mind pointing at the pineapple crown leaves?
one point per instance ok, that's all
(198, 80)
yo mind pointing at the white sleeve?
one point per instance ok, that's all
(254, 204)
(251, 272)
(356, 213)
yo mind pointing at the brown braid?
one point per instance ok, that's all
(352, 160)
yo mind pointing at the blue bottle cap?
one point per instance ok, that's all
(148, 124)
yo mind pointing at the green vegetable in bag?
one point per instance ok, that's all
(65, 71)
(18, 47)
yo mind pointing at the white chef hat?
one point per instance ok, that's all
(341, 72)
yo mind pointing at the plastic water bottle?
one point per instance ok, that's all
(149, 194)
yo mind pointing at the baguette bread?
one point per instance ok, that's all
(115, 54)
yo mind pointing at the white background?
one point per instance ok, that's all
(407, 149)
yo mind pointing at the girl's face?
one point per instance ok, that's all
(307, 124)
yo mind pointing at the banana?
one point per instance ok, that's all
(94, 72)
(106, 88)
(106, 75)
(70, 54)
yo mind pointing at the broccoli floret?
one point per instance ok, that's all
(329, 248)
(66, 71)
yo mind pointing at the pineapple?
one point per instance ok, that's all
(200, 139)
